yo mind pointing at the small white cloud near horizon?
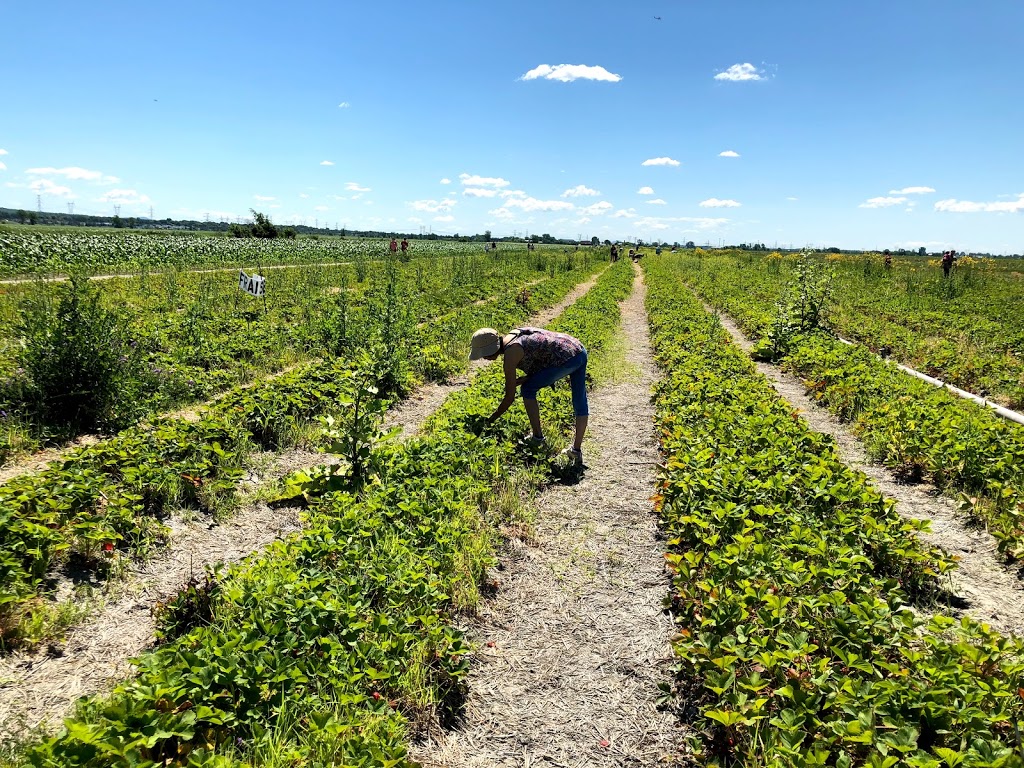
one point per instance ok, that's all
(661, 161)
(74, 173)
(882, 202)
(326, 162)
(656, 201)
(446, 181)
(728, 153)
(433, 206)
(792, 199)
(912, 191)
(645, 191)
(482, 181)
(581, 190)
(597, 209)
(444, 219)
(741, 72)
(3, 167)
(125, 196)
(263, 198)
(479, 192)
(967, 206)
(714, 202)
(3, 151)
(354, 187)
(47, 187)
(344, 105)
(567, 73)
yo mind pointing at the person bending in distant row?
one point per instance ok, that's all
(545, 357)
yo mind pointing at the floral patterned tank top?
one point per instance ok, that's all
(544, 349)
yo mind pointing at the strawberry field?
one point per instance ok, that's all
(83, 357)
(918, 430)
(795, 583)
(806, 607)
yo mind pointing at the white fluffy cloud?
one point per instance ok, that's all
(344, 105)
(433, 206)
(125, 197)
(446, 181)
(596, 209)
(728, 153)
(656, 201)
(625, 213)
(714, 202)
(47, 187)
(481, 181)
(660, 161)
(580, 190)
(512, 193)
(532, 204)
(303, 195)
(882, 202)
(566, 73)
(75, 173)
(479, 192)
(3, 167)
(739, 72)
(326, 162)
(912, 191)
(354, 187)
(967, 206)
(792, 199)
(3, 151)
(645, 191)
(444, 218)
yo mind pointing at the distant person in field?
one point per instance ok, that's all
(948, 257)
(615, 253)
(405, 245)
(544, 357)
(394, 245)
(888, 258)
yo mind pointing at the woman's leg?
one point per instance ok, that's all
(580, 407)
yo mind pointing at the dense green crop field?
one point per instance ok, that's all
(967, 330)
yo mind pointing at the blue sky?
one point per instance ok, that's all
(871, 124)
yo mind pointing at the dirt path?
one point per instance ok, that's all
(575, 643)
(981, 586)
(39, 688)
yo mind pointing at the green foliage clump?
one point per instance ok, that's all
(83, 370)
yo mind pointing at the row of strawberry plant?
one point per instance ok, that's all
(792, 581)
(327, 648)
(918, 430)
(106, 499)
(97, 356)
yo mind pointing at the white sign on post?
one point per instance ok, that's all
(254, 285)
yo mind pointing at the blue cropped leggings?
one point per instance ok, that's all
(576, 369)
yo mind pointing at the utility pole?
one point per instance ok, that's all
(39, 203)
(151, 213)
(117, 210)
(71, 208)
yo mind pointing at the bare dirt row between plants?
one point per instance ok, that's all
(38, 689)
(574, 645)
(981, 586)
